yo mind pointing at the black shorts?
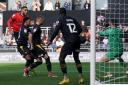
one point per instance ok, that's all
(38, 50)
(24, 50)
(70, 47)
(16, 34)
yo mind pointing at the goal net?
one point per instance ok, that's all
(114, 72)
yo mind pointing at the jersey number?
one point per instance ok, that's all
(72, 27)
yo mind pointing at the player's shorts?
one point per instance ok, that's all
(38, 50)
(70, 47)
(24, 50)
(113, 55)
(16, 34)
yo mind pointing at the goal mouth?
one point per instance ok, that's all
(112, 16)
(98, 83)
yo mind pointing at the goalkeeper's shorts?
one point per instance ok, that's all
(113, 55)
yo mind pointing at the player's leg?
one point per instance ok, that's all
(29, 61)
(76, 48)
(63, 65)
(40, 51)
(44, 54)
(35, 64)
(37, 55)
(78, 66)
(16, 34)
(121, 61)
(48, 65)
(104, 66)
(26, 55)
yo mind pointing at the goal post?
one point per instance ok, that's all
(92, 48)
(100, 15)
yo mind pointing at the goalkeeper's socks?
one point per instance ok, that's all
(122, 63)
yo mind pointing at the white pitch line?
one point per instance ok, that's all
(114, 79)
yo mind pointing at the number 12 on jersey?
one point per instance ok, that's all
(72, 27)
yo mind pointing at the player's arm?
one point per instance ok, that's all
(30, 40)
(104, 33)
(10, 21)
(56, 31)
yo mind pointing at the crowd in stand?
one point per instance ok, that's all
(50, 5)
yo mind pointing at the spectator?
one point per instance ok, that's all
(3, 6)
(83, 25)
(48, 6)
(8, 39)
(1, 42)
(77, 4)
(45, 39)
(36, 5)
(87, 34)
(53, 45)
(19, 5)
(101, 20)
(97, 40)
(105, 43)
(57, 5)
(25, 3)
(59, 44)
(87, 5)
(67, 5)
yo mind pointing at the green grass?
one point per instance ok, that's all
(116, 69)
(11, 74)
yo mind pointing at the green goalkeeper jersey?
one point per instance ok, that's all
(115, 36)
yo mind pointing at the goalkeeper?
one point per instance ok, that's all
(115, 50)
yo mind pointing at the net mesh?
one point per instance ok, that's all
(114, 71)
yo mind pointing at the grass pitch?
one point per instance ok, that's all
(12, 74)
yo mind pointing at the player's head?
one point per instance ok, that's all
(26, 21)
(62, 11)
(40, 20)
(24, 10)
(113, 22)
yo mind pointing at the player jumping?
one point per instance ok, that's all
(115, 50)
(14, 23)
(71, 31)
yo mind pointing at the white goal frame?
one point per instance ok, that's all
(93, 48)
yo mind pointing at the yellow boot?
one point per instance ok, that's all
(64, 81)
(81, 80)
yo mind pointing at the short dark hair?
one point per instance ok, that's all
(25, 19)
(62, 11)
(24, 7)
(114, 21)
